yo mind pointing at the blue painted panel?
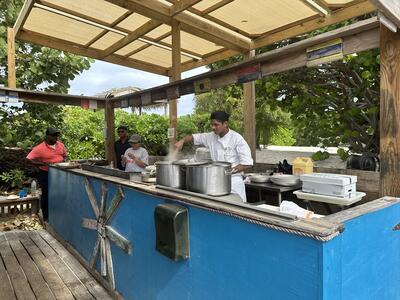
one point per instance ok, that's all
(229, 258)
(371, 256)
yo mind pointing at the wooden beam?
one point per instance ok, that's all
(216, 6)
(278, 35)
(50, 98)
(315, 6)
(12, 81)
(141, 31)
(390, 8)
(249, 120)
(190, 23)
(113, 24)
(336, 17)
(175, 76)
(23, 15)
(389, 113)
(110, 129)
(78, 49)
(181, 5)
(357, 37)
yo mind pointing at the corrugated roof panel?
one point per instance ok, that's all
(107, 40)
(54, 25)
(98, 9)
(130, 47)
(133, 22)
(157, 56)
(159, 31)
(203, 5)
(195, 44)
(262, 15)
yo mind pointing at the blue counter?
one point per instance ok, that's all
(234, 254)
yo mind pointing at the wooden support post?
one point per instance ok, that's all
(249, 93)
(390, 113)
(12, 82)
(175, 75)
(110, 129)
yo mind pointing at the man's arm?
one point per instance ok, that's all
(185, 140)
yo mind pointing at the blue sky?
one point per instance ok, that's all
(103, 76)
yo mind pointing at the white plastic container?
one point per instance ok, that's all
(33, 188)
(337, 185)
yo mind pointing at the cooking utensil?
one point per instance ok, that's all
(259, 178)
(285, 180)
(211, 178)
(172, 174)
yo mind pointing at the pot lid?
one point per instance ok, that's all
(198, 163)
(163, 162)
(221, 163)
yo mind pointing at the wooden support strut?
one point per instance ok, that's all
(12, 82)
(110, 128)
(176, 75)
(389, 113)
(249, 122)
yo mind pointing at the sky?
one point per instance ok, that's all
(103, 76)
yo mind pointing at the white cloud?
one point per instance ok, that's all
(103, 76)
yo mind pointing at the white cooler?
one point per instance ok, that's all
(336, 185)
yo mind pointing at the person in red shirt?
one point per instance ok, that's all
(50, 151)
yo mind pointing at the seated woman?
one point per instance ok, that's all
(135, 158)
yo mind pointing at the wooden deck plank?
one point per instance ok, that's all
(98, 291)
(57, 286)
(6, 289)
(32, 273)
(18, 279)
(70, 279)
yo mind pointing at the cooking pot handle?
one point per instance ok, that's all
(228, 172)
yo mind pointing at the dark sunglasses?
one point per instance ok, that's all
(135, 143)
(121, 131)
(55, 135)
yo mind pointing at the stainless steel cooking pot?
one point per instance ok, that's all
(211, 178)
(171, 173)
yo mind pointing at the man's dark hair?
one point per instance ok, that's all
(220, 116)
(123, 127)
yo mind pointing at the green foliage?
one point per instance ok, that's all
(283, 136)
(38, 68)
(83, 132)
(13, 178)
(320, 155)
(343, 154)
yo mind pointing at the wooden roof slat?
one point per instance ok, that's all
(189, 22)
(100, 35)
(215, 6)
(311, 4)
(23, 15)
(181, 5)
(78, 49)
(73, 12)
(141, 31)
(361, 36)
(287, 32)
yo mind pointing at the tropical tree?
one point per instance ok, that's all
(37, 68)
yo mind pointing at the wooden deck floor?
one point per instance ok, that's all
(34, 265)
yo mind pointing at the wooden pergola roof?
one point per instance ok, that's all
(137, 33)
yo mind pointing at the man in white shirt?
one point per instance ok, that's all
(225, 145)
(135, 158)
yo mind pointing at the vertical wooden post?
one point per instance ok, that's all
(249, 93)
(110, 129)
(175, 75)
(390, 113)
(12, 82)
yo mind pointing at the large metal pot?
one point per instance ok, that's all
(171, 173)
(213, 178)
